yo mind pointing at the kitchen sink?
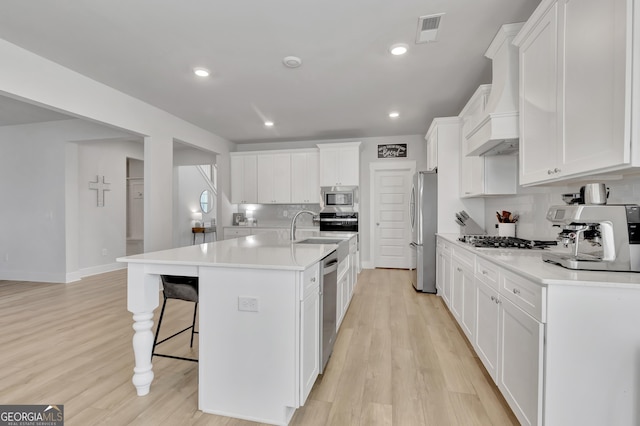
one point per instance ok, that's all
(320, 241)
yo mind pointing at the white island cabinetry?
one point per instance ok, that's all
(309, 331)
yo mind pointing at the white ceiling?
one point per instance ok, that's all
(346, 87)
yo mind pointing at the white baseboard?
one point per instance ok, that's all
(367, 265)
(95, 270)
(41, 277)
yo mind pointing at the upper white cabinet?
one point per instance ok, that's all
(432, 146)
(244, 187)
(305, 184)
(575, 90)
(486, 175)
(274, 178)
(340, 164)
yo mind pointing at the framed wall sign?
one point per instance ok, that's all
(394, 150)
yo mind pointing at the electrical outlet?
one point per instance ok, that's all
(6, 257)
(105, 252)
(285, 213)
(248, 304)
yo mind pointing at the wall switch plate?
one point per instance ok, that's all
(248, 304)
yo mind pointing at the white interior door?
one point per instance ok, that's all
(392, 230)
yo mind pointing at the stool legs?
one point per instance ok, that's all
(155, 340)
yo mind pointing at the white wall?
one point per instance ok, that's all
(39, 182)
(66, 91)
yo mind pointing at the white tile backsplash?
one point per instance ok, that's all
(532, 205)
(278, 214)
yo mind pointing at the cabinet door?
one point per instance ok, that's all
(432, 150)
(471, 176)
(457, 295)
(305, 187)
(521, 363)
(274, 178)
(244, 188)
(329, 159)
(349, 166)
(540, 142)
(595, 68)
(468, 313)
(487, 327)
(310, 343)
(444, 276)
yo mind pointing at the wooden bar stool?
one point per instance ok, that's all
(179, 288)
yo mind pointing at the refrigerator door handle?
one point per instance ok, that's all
(412, 207)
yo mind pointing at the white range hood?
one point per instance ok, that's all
(497, 129)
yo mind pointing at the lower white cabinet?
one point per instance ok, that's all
(309, 332)
(487, 327)
(463, 291)
(521, 362)
(443, 270)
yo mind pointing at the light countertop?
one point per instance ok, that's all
(271, 250)
(529, 264)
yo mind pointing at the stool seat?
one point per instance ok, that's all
(179, 288)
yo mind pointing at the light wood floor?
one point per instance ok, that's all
(400, 359)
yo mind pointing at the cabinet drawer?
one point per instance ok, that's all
(235, 233)
(310, 281)
(487, 272)
(464, 256)
(444, 246)
(527, 295)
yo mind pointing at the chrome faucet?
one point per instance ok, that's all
(293, 222)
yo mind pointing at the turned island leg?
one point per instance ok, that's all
(142, 298)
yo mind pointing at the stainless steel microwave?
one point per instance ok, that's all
(340, 198)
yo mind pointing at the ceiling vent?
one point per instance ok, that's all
(428, 28)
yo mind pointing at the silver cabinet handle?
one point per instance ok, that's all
(516, 291)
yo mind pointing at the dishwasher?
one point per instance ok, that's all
(328, 301)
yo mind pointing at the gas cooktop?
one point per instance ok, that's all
(492, 241)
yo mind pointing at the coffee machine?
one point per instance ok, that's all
(597, 237)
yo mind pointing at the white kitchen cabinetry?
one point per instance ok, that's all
(244, 183)
(340, 164)
(487, 326)
(310, 331)
(274, 178)
(443, 270)
(486, 175)
(463, 290)
(575, 90)
(305, 184)
(521, 362)
(432, 146)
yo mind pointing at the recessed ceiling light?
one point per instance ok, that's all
(292, 61)
(394, 114)
(268, 123)
(398, 49)
(201, 72)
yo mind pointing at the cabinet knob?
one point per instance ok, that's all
(493, 298)
(549, 171)
(516, 291)
(485, 273)
(556, 170)
(459, 270)
(313, 280)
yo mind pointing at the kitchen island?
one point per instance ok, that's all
(258, 320)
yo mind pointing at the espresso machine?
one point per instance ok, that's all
(597, 237)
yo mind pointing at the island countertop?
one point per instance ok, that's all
(271, 250)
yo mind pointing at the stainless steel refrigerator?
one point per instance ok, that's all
(423, 214)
